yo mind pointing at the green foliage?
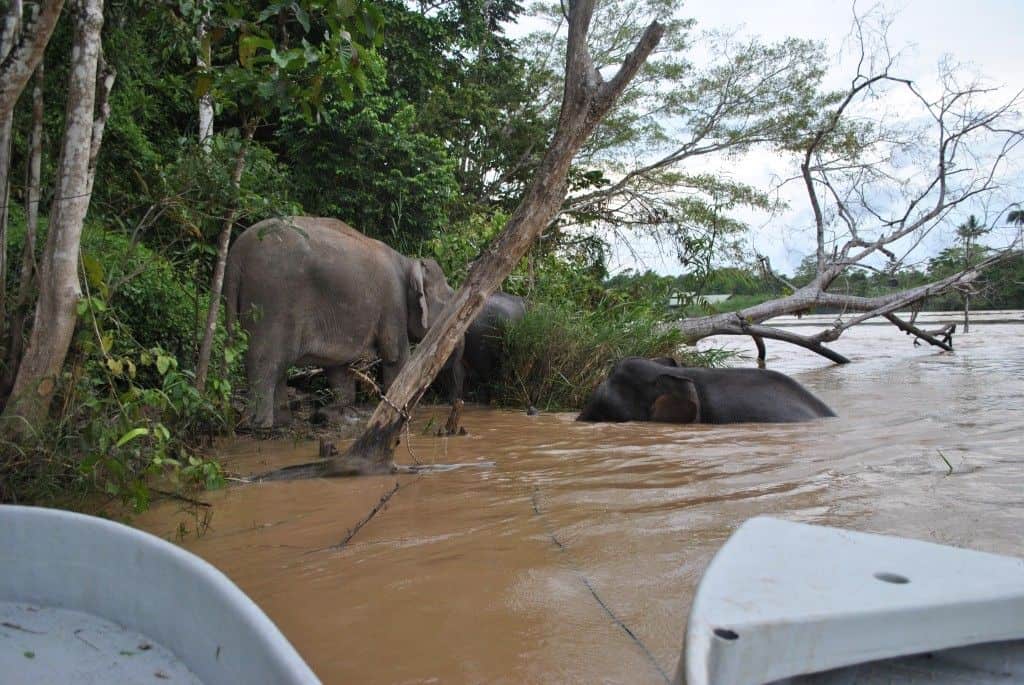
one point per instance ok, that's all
(283, 56)
(454, 247)
(194, 192)
(127, 413)
(154, 306)
(372, 167)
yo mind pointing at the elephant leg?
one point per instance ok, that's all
(392, 362)
(282, 413)
(265, 375)
(342, 383)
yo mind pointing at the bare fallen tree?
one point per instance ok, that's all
(586, 99)
(872, 199)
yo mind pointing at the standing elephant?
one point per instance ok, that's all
(478, 359)
(483, 352)
(316, 291)
(659, 390)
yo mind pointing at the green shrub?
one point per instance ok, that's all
(125, 411)
(559, 352)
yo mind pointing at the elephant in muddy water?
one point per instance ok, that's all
(482, 355)
(314, 291)
(478, 360)
(660, 390)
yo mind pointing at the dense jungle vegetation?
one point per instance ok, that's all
(419, 124)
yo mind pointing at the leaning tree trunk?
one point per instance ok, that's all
(8, 36)
(217, 284)
(587, 98)
(18, 313)
(59, 287)
(17, 68)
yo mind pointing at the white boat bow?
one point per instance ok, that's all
(87, 600)
(797, 603)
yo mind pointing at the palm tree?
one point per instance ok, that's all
(969, 231)
(1016, 217)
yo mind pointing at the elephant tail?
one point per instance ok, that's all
(232, 277)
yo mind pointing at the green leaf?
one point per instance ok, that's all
(94, 273)
(115, 366)
(302, 17)
(106, 342)
(162, 364)
(203, 84)
(248, 45)
(131, 435)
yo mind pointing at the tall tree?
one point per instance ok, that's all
(587, 98)
(18, 310)
(59, 287)
(8, 35)
(648, 168)
(27, 51)
(969, 232)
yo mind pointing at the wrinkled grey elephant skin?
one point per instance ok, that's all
(659, 390)
(314, 291)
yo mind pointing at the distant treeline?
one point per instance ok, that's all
(1000, 287)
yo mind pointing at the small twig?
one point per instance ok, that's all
(362, 522)
(15, 626)
(183, 498)
(84, 640)
(948, 465)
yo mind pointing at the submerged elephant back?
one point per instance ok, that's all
(753, 395)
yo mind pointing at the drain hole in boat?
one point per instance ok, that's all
(894, 578)
(726, 634)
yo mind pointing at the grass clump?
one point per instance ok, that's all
(559, 352)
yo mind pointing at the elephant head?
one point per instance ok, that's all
(428, 292)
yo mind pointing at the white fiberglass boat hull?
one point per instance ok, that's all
(80, 594)
(783, 600)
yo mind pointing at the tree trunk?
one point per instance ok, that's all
(11, 28)
(17, 68)
(203, 61)
(59, 287)
(587, 98)
(15, 338)
(217, 284)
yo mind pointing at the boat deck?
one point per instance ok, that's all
(49, 646)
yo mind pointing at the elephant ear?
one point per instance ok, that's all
(676, 400)
(418, 292)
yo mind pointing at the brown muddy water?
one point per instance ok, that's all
(528, 567)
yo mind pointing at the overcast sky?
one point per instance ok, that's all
(987, 34)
